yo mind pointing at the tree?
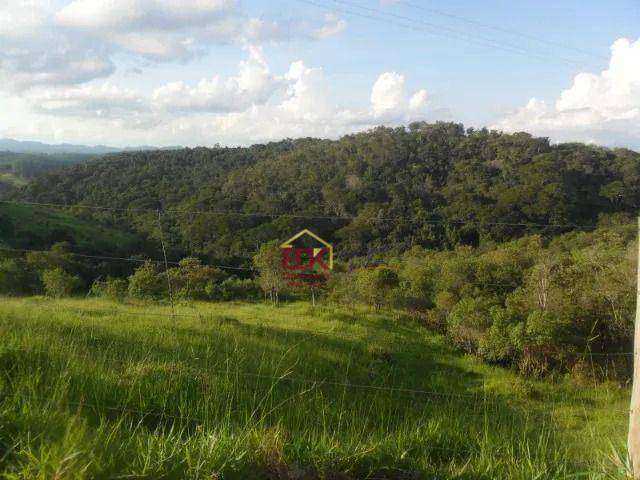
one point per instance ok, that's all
(268, 262)
(16, 278)
(111, 288)
(58, 283)
(147, 282)
(376, 285)
(192, 280)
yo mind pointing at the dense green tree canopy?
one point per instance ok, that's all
(396, 187)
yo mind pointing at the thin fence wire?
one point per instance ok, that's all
(288, 378)
(471, 401)
(212, 315)
(203, 420)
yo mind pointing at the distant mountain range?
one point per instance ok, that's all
(18, 146)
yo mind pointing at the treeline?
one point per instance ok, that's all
(30, 165)
(486, 237)
(60, 273)
(536, 305)
(434, 185)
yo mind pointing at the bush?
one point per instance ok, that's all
(112, 288)
(147, 282)
(468, 321)
(499, 344)
(376, 285)
(58, 283)
(340, 288)
(233, 288)
(16, 278)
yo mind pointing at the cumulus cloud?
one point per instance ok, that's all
(254, 84)
(253, 105)
(141, 15)
(156, 29)
(602, 108)
(333, 26)
(44, 43)
(389, 99)
(104, 101)
(33, 53)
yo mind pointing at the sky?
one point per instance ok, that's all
(238, 72)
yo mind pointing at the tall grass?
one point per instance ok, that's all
(94, 389)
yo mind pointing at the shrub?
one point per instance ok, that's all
(112, 288)
(16, 278)
(233, 288)
(340, 288)
(194, 281)
(498, 345)
(376, 285)
(146, 282)
(468, 321)
(58, 283)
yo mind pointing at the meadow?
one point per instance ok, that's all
(99, 389)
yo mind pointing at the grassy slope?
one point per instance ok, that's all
(35, 227)
(11, 179)
(234, 374)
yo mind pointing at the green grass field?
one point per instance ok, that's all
(95, 389)
(34, 227)
(11, 179)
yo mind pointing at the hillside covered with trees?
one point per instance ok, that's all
(519, 251)
(17, 169)
(392, 189)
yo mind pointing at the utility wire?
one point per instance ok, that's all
(471, 282)
(104, 257)
(301, 216)
(422, 26)
(501, 29)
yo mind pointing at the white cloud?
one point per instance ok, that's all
(142, 15)
(418, 101)
(52, 62)
(602, 108)
(104, 101)
(22, 19)
(254, 84)
(333, 26)
(254, 105)
(389, 100)
(387, 94)
(44, 43)
(257, 30)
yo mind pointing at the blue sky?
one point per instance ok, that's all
(224, 71)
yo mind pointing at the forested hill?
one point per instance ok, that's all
(396, 187)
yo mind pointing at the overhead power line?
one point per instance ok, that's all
(107, 257)
(423, 26)
(302, 216)
(507, 31)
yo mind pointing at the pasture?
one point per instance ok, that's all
(98, 389)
